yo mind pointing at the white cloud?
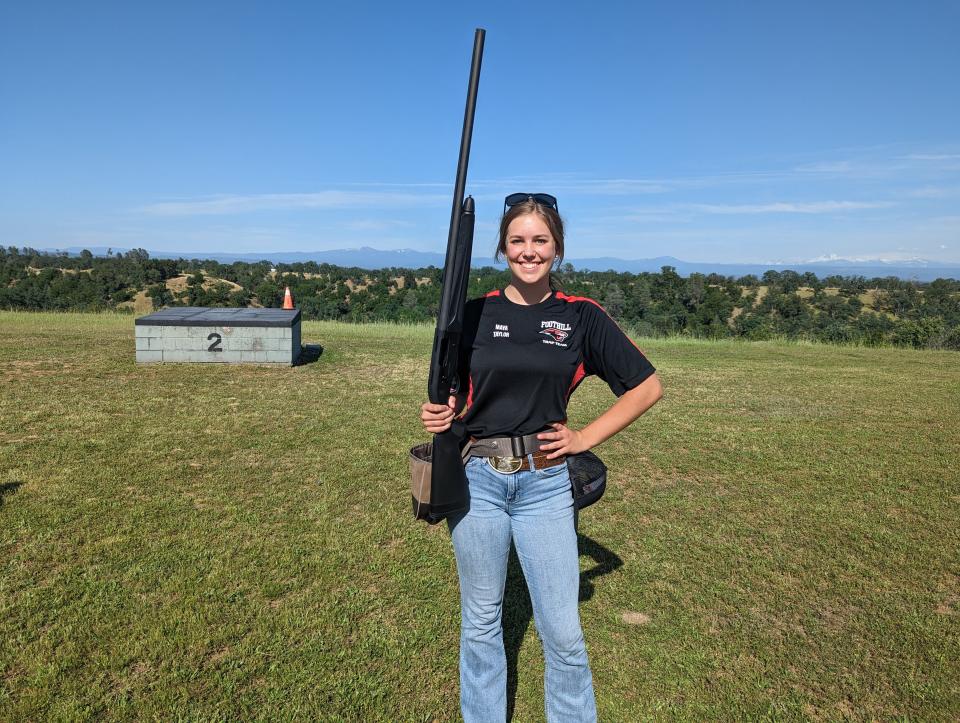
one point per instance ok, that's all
(372, 224)
(586, 186)
(815, 207)
(620, 186)
(944, 223)
(391, 184)
(219, 205)
(935, 192)
(826, 167)
(932, 156)
(882, 257)
(878, 163)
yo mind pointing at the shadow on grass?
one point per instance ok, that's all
(309, 353)
(518, 610)
(8, 488)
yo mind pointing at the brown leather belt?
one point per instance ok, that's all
(508, 465)
(509, 454)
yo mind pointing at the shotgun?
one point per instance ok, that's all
(448, 484)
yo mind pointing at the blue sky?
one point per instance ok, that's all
(709, 131)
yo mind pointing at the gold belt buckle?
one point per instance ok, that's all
(506, 465)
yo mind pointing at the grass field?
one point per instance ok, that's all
(780, 538)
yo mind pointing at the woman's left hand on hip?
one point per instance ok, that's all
(562, 440)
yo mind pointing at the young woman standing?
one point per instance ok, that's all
(525, 349)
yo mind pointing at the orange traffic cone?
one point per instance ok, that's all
(287, 298)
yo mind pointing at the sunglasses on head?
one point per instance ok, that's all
(517, 198)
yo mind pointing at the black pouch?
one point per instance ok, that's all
(588, 477)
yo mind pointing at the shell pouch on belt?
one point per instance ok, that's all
(421, 471)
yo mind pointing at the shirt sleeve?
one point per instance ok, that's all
(610, 354)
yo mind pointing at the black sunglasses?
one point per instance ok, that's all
(517, 198)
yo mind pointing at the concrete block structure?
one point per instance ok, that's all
(214, 335)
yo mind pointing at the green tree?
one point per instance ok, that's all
(613, 301)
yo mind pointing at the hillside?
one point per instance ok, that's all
(779, 538)
(874, 312)
(368, 258)
(179, 287)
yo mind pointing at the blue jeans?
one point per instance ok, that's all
(535, 509)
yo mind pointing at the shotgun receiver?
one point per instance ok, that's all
(448, 488)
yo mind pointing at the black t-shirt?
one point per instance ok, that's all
(520, 364)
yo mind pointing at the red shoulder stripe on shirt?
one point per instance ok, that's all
(495, 292)
(563, 297)
(577, 378)
(466, 407)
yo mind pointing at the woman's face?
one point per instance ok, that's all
(531, 248)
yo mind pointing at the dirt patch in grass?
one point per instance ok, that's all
(11, 676)
(6, 439)
(199, 502)
(950, 588)
(949, 606)
(401, 369)
(214, 657)
(132, 677)
(634, 618)
(30, 368)
(833, 617)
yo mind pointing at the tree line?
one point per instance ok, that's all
(779, 304)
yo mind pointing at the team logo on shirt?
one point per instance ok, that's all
(556, 331)
(556, 334)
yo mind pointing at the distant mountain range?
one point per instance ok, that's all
(370, 258)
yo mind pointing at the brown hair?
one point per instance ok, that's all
(550, 217)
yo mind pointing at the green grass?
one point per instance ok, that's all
(780, 537)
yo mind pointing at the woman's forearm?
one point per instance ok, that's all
(624, 411)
